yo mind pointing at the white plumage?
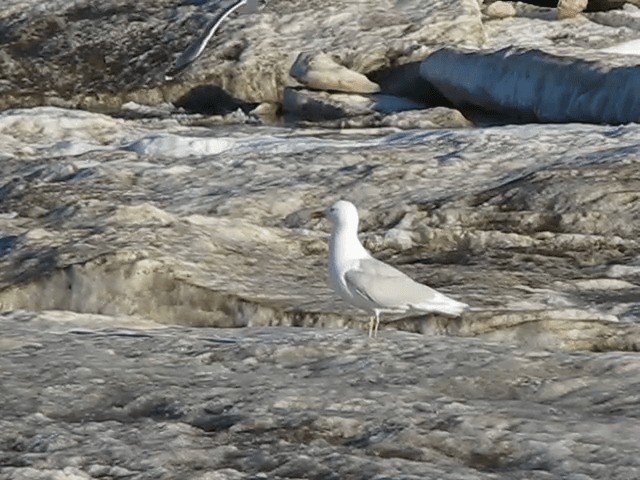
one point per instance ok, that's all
(368, 283)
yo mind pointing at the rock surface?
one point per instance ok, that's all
(103, 57)
(192, 226)
(311, 105)
(534, 86)
(296, 403)
(153, 263)
(570, 8)
(501, 9)
(320, 71)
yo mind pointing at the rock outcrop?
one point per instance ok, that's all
(570, 8)
(534, 86)
(536, 228)
(102, 56)
(500, 9)
(319, 71)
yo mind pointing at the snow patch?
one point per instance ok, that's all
(626, 48)
(179, 146)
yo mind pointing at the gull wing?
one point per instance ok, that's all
(388, 288)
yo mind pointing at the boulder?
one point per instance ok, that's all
(535, 86)
(320, 71)
(500, 9)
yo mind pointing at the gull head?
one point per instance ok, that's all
(342, 214)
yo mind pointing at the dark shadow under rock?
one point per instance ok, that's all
(406, 81)
(212, 100)
(592, 6)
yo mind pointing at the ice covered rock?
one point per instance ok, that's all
(531, 85)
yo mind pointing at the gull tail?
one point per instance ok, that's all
(453, 308)
(445, 306)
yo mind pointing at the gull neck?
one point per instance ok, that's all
(344, 242)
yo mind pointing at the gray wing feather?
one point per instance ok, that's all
(388, 287)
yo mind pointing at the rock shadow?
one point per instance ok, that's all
(592, 5)
(406, 81)
(212, 100)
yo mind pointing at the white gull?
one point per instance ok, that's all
(371, 285)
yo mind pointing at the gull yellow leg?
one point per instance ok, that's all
(375, 331)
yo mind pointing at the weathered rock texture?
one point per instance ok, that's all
(103, 55)
(534, 86)
(100, 57)
(535, 228)
(297, 403)
(119, 236)
(320, 71)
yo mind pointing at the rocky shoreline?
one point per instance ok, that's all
(101, 58)
(164, 303)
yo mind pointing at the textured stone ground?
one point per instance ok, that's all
(119, 237)
(535, 228)
(299, 403)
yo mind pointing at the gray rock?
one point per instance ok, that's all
(58, 56)
(322, 105)
(532, 85)
(312, 105)
(570, 8)
(320, 71)
(500, 9)
(439, 117)
(310, 404)
(102, 56)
